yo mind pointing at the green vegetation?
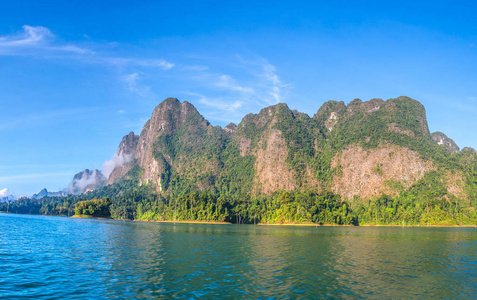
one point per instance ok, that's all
(98, 208)
(280, 208)
(209, 174)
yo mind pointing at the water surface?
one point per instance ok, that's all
(64, 258)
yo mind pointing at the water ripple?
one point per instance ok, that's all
(64, 258)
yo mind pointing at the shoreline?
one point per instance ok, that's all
(303, 224)
(363, 225)
(89, 217)
(186, 222)
(259, 224)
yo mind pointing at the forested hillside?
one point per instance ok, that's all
(371, 162)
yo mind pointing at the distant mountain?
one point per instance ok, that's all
(8, 198)
(45, 193)
(86, 181)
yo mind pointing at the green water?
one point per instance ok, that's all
(64, 258)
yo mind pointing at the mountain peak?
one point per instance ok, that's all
(442, 139)
(85, 181)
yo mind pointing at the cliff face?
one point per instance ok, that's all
(442, 139)
(361, 149)
(259, 136)
(367, 172)
(86, 181)
(123, 159)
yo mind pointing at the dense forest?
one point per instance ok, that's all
(300, 207)
(205, 173)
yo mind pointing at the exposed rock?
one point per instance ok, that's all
(364, 172)
(45, 193)
(123, 159)
(86, 181)
(272, 171)
(442, 139)
(167, 118)
(454, 183)
(367, 106)
(244, 146)
(230, 128)
(328, 114)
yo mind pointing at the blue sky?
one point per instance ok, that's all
(75, 76)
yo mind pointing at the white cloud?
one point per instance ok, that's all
(4, 193)
(33, 176)
(270, 74)
(256, 82)
(117, 160)
(30, 36)
(195, 68)
(46, 44)
(218, 103)
(88, 180)
(226, 81)
(133, 85)
(36, 37)
(42, 118)
(137, 62)
(131, 80)
(254, 85)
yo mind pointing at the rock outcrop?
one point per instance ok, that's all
(442, 139)
(86, 181)
(123, 159)
(365, 172)
(46, 193)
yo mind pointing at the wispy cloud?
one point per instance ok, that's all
(218, 103)
(36, 37)
(270, 74)
(195, 68)
(255, 84)
(271, 83)
(36, 166)
(33, 176)
(40, 42)
(227, 82)
(132, 81)
(42, 117)
(137, 62)
(4, 193)
(30, 36)
(237, 84)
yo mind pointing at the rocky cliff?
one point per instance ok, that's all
(46, 193)
(442, 139)
(361, 150)
(86, 181)
(123, 158)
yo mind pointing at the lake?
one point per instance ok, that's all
(65, 258)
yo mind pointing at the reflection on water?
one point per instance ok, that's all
(48, 257)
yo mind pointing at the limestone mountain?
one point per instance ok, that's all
(123, 157)
(46, 193)
(442, 139)
(360, 150)
(85, 181)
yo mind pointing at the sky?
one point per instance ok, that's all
(76, 76)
